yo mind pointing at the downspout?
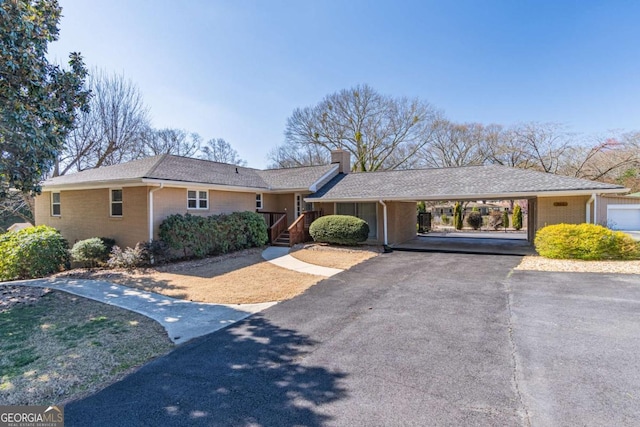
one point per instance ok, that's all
(595, 208)
(151, 210)
(384, 225)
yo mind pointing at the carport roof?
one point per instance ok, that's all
(469, 182)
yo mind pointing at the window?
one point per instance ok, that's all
(365, 211)
(55, 204)
(197, 199)
(116, 202)
(298, 205)
(258, 200)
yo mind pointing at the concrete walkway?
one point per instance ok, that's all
(280, 256)
(183, 320)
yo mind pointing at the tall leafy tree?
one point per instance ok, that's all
(38, 100)
(380, 132)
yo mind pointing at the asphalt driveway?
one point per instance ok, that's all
(405, 339)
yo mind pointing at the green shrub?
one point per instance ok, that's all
(89, 252)
(445, 219)
(457, 216)
(109, 243)
(474, 219)
(154, 252)
(586, 242)
(339, 230)
(217, 234)
(517, 217)
(32, 252)
(505, 219)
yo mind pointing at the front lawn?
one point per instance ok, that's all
(58, 347)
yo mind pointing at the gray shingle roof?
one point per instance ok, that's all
(302, 177)
(189, 170)
(449, 183)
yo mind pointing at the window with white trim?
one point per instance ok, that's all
(365, 211)
(116, 202)
(197, 199)
(55, 204)
(258, 200)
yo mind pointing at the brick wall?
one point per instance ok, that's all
(170, 201)
(86, 213)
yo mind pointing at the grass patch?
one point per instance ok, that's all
(64, 346)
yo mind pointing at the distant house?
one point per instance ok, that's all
(19, 226)
(128, 202)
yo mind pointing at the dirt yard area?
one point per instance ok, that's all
(239, 278)
(332, 256)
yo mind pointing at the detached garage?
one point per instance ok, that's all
(618, 212)
(623, 217)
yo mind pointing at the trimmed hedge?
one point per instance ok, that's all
(90, 252)
(586, 242)
(217, 234)
(32, 252)
(339, 230)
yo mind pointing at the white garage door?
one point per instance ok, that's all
(623, 217)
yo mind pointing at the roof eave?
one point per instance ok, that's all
(487, 196)
(330, 174)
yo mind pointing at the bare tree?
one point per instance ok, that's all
(111, 131)
(291, 156)
(380, 132)
(453, 144)
(170, 141)
(544, 144)
(219, 150)
(604, 158)
(17, 204)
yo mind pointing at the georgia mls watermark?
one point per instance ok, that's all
(31, 416)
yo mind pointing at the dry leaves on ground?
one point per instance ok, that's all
(238, 278)
(334, 257)
(538, 263)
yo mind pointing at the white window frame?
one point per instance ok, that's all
(297, 203)
(198, 198)
(259, 201)
(112, 202)
(58, 204)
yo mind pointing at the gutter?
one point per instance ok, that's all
(151, 209)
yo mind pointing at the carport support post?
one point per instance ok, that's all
(384, 222)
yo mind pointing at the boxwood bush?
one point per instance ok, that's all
(32, 252)
(586, 242)
(217, 234)
(90, 252)
(339, 230)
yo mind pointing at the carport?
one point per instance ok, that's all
(552, 199)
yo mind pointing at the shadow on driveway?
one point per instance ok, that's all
(248, 374)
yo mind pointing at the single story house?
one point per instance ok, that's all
(128, 202)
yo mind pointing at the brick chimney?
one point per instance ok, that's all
(343, 158)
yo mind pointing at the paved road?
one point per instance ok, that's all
(405, 339)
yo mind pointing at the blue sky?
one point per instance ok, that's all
(236, 69)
